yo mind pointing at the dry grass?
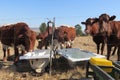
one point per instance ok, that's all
(61, 69)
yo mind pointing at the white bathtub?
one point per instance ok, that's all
(77, 55)
(38, 59)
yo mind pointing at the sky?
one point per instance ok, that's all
(65, 12)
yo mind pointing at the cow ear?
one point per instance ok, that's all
(83, 22)
(112, 17)
(95, 20)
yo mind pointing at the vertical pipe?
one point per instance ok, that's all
(53, 26)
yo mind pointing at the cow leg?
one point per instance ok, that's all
(68, 44)
(71, 43)
(108, 51)
(102, 48)
(114, 50)
(61, 45)
(4, 55)
(5, 52)
(8, 53)
(16, 55)
(22, 52)
(118, 53)
(98, 47)
(46, 46)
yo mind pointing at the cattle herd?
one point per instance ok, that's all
(22, 38)
(62, 35)
(104, 30)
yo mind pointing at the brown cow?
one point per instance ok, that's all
(18, 34)
(106, 30)
(44, 38)
(43, 35)
(112, 30)
(92, 28)
(66, 35)
(61, 35)
(6, 49)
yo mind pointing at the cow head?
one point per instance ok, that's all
(44, 34)
(32, 40)
(41, 39)
(41, 36)
(92, 26)
(27, 40)
(40, 44)
(104, 20)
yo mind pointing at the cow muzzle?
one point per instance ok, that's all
(87, 31)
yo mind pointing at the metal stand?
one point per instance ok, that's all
(53, 26)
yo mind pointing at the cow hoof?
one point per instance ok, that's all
(4, 59)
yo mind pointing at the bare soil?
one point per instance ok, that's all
(61, 69)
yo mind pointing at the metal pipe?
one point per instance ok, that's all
(53, 26)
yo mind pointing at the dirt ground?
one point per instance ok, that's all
(61, 69)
